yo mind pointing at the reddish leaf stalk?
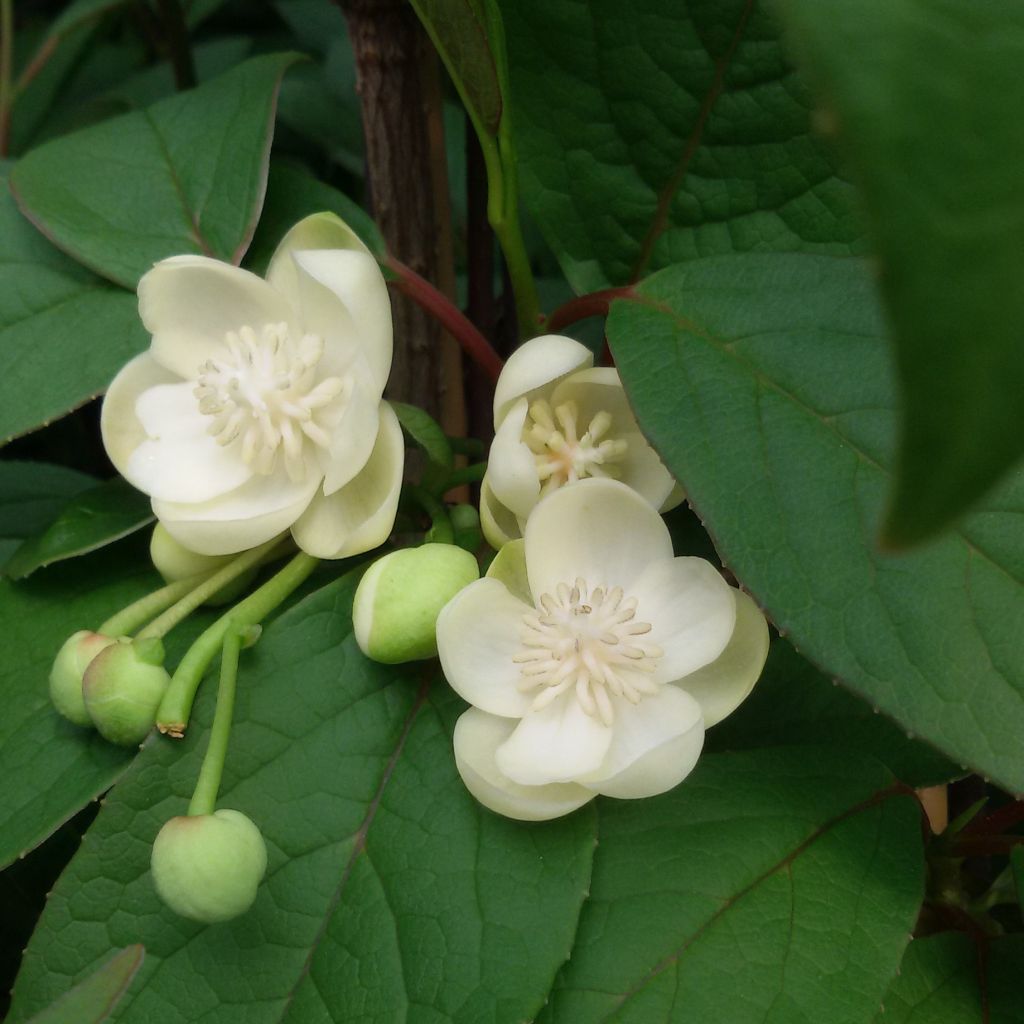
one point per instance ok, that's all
(584, 306)
(998, 821)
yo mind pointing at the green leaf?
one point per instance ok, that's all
(187, 175)
(650, 133)
(31, 495)
(939, 982)
(64, 332)
(92, 519)
(1017, 867)
(764, 383)
(774, 886)
(92, 1000)
(422, 428)
(389, 889)
(795, 704)
(925, 98)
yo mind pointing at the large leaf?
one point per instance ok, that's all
(186, 175)
(926, 96)
(64, 332)
(32, 495)
(649, 133)
(389, 889)
(764, 383)
(91, 1001)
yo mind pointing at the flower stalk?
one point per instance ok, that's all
(139, 612)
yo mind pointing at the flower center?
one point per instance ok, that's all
(266, 394)
(563, 454)
(590, 640)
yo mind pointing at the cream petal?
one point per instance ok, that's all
(511, 467)
(477, 735)
(599, 530)
(723, 685)
(692, 612)
(559, 743)
(352, 439)
(655, 745)
(676, 497)
(509, 567)
(498, 524)
(478, 635)
(122, 432)
(241, 519)
(189, 303)
(644, 471)
(536, 365)
(359, 516)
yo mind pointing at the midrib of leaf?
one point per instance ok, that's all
(895, 790)
(672, 186)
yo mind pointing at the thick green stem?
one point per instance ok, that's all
(210, 585)
(466, 475)
(6, 72)
(441, 531)
(173, 714)
(204, 799)
(140, 612)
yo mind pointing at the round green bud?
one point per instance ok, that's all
(466, 523)
(176, 562)
(122, 688)
(68, 669)
(207, 867)
(398, 600)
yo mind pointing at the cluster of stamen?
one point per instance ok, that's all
(588, 640)
(561, 453)
(265, 395)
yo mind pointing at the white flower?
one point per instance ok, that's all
(558, 419)
(594, 659)
(258, 405)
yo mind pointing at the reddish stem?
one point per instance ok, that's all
(439, 306)
(998, 821)
(594, 304)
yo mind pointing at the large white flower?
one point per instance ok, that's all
(559, 419)
(594, 659)
(258, 405)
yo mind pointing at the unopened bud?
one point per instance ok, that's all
(466, 523)
(68, 669)
(122, 689)
(176, 562)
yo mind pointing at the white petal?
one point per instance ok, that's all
(534, 366)
(241, 519)
(120, 426)
(511, 467)
(509, 567)
(478, 635)
(189, 303)
(352, 439)
(499, 525)
(559, 743)
(643, 470)
(676, 497)
(359, 516)
(477, 735)
(655, 745)
(692, 612)
(723, 685)
(600, 530)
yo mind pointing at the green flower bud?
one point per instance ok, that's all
(466, 524)
(207, 867)
(400, 597)
(68, 669)
(176, 562)
(122, 689)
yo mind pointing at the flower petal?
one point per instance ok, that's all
(511, 467)
(655, 745)
(499, 525)
(692, 612)
(360, 515)
(353, 436)
(179, 461)
(559, 743)
(725, 683)
(119, 424)
(317, 231)
(241, 519)
(189, 303)
(477, 735)
(478, 635)
(509, 567)
(598, 529)
(535, 365)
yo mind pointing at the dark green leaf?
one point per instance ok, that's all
(795, 704)
(764, 382)
(92, 519)
(650, 133)
(422, 428)
(64, 332)
(389, 891)
(1017, 867)
(32, 495)
(187, 175)
(91, 1001)
(925, 96)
